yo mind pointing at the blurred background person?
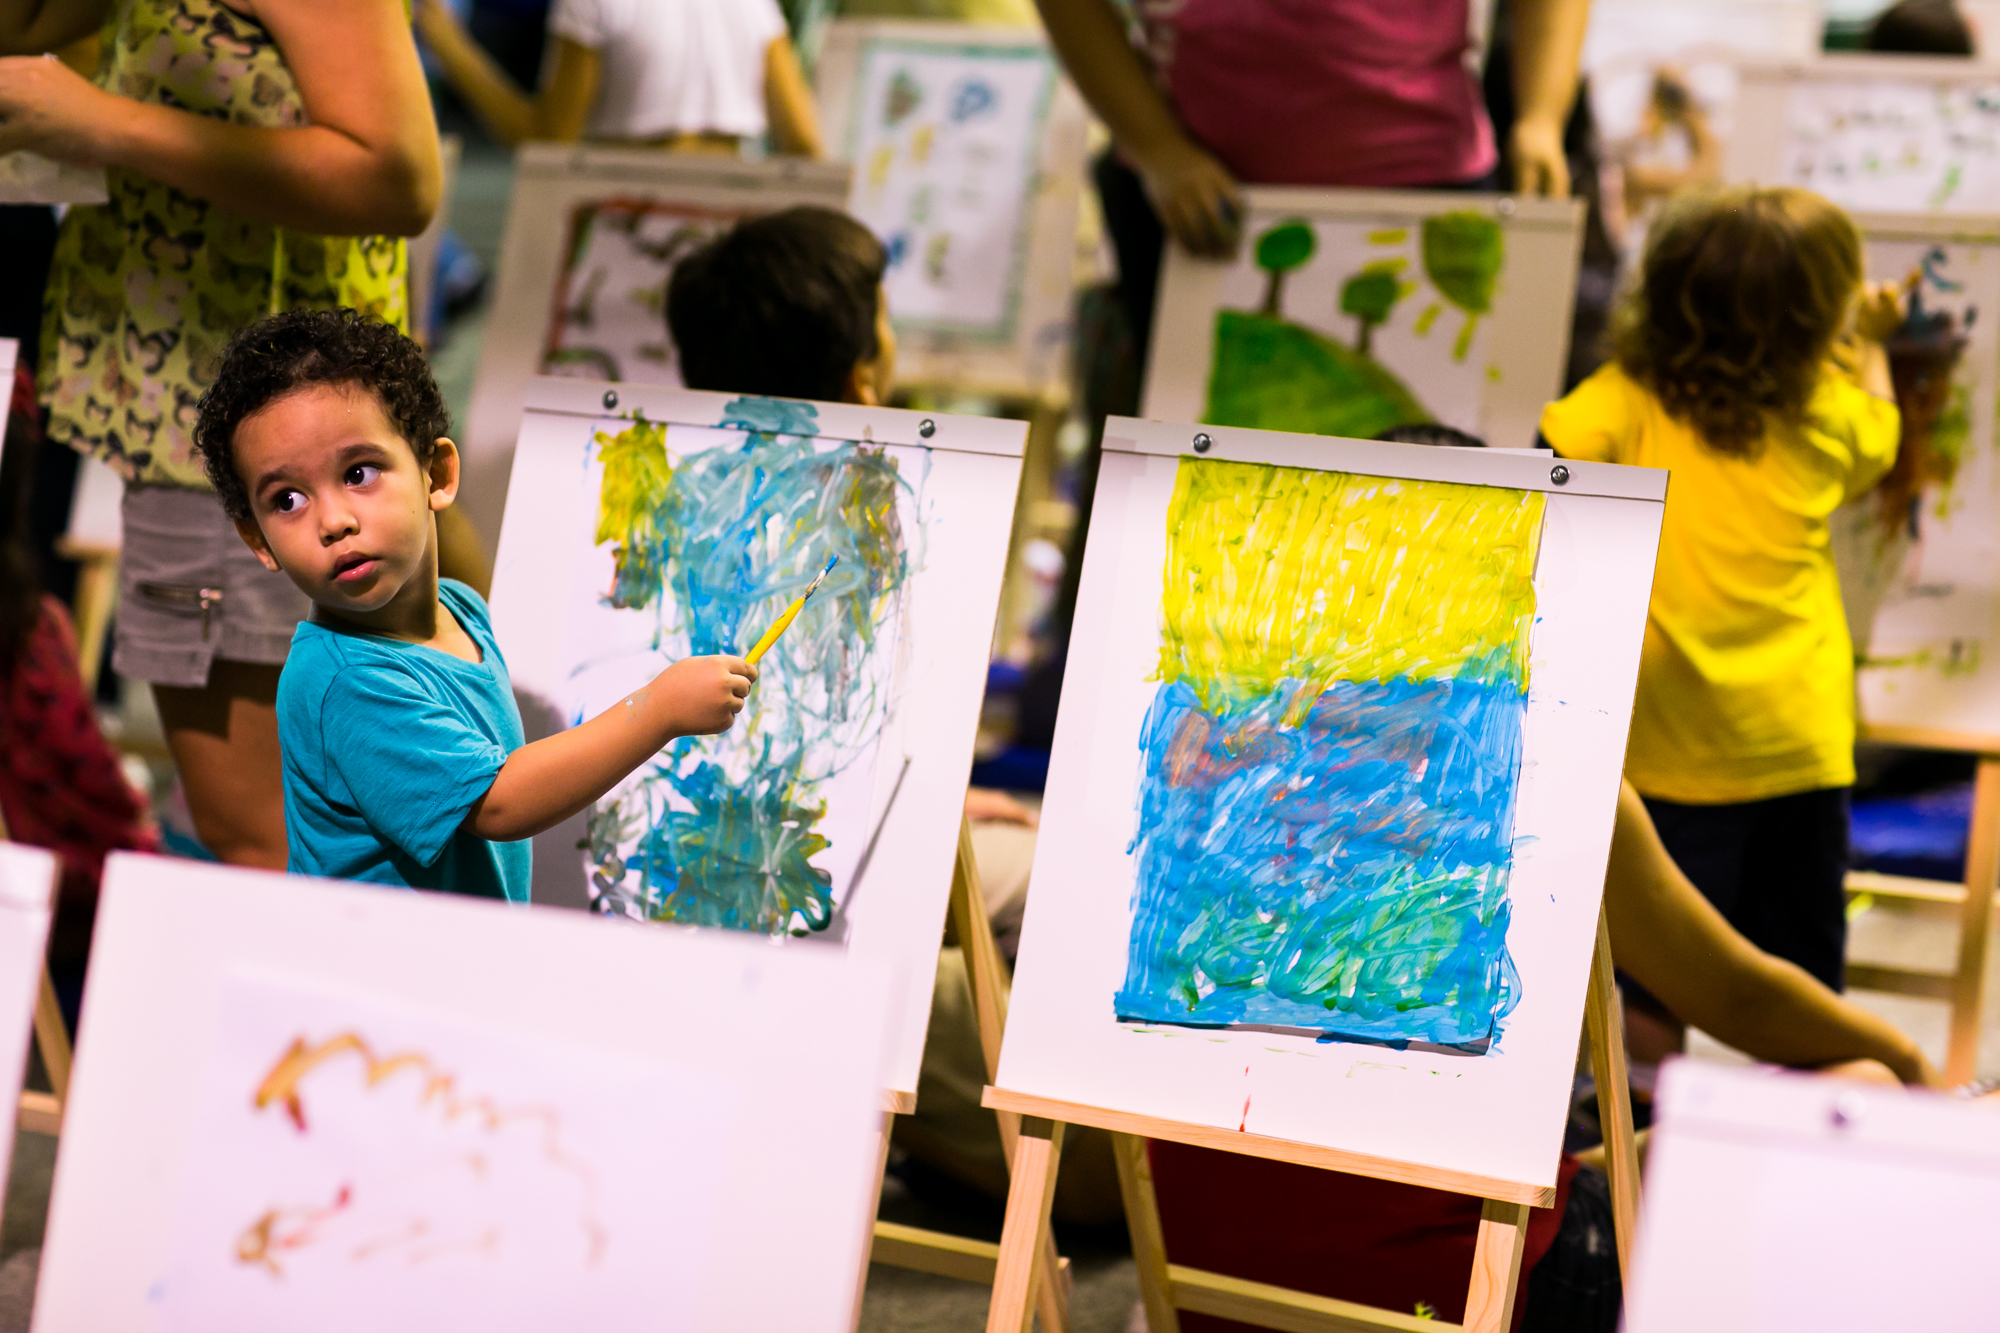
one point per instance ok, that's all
(689, 75)
(259, 158)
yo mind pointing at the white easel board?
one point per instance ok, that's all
(1924, 609)
(1332, 792)
(27, 905)
(1468, 299)
(1783, 1201)
(1917, 134)
(831, 810)
(592, 236)
(968, 146)
(1630, 42)
(308, 1105)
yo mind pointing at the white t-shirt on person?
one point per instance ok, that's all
(674, 65)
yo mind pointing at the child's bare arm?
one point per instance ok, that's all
(543, 784)
(1878, 313)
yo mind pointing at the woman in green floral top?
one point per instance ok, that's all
(261, 155)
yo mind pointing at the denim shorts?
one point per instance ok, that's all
(190, 591)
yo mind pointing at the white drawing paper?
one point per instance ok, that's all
(27, 903)
(360, 1162)
(945, 142)
(1081, 1031)
(685, 526)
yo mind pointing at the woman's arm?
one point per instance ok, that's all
(1548, 37)
(1196, 197)
(1674, 943)
(366, 163)
(30, 27)
(559, 112)
(788, 103)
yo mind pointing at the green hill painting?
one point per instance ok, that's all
(1273, 373)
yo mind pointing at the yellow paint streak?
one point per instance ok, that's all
(1389, 236)
(636, 473)
(1277, 574)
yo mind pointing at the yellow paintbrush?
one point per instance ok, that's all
(790, 614)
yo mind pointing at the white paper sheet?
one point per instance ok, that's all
(850, 706)
(358, 1161)
(27, 904)
(944, 142)
(1922, 588)
(1497, 1114)
(1777, 1200)
(712, 1138)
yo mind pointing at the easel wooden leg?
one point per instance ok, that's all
(1496, 1267)
(1149, 1239)
(1023, 1238)
(1975, 924)
(96, 598)
(1614, 1094)
(986, 977)
(986, 974)
(868, 1254)
(52, 1036)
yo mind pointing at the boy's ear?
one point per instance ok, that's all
(444, 475)
(253, 537)
(860, 386)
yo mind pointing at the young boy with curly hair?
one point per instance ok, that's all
(324, 435)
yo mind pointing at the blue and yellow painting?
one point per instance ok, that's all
(1330, 763)
(728, 830)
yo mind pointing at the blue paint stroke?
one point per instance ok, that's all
(1346, 876)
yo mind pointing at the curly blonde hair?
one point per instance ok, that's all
(1740, 298)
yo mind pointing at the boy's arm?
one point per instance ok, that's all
(1196, 197)
(545, 783)
(1675, 944)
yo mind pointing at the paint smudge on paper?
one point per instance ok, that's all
(453, 1212)
(1330, 763)
(723, 830)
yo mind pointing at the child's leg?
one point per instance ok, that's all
(1794, 901)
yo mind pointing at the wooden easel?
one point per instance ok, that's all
(1964, 989)
(41, 1112)
(1166, 1287)
(936, 1251)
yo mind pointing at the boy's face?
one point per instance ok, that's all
(337, 499)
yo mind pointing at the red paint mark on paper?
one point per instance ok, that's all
(1242, 1126)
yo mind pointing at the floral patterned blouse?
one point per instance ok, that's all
(146, 290)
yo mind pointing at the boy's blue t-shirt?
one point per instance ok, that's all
(386, 747)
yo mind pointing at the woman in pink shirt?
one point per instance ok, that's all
(1312, 92)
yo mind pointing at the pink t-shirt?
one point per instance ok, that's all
(1325, 92)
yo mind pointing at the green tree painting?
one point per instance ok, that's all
(1462, 256)
(1280, 250)
(1275, 373)
(1370, 295)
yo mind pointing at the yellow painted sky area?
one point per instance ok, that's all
(1278, 574)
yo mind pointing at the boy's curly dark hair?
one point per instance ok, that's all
(1741, 295)
(300, 348)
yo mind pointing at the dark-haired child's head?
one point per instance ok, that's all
(324, 435)
(1740, 297)
(1921, 27)
(787, 305)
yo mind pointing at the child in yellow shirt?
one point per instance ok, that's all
(1748, 363)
